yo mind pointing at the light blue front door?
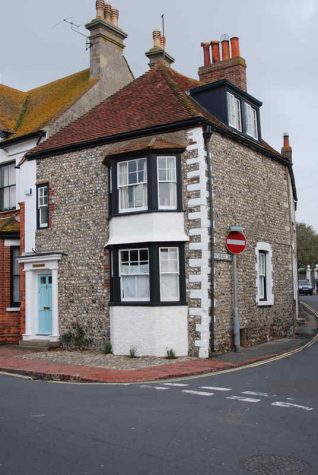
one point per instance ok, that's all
(45, 304)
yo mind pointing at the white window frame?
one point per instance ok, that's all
(167, 181)
(11, 186)
(234, 111)
(264, 247)
(177, 298)
(41, 205)
(121, 275)
(145, 182)
(251, 121)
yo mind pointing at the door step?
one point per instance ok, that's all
(38, 345)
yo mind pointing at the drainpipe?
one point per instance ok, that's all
(207, 134)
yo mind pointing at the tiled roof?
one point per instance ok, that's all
(156, 98)
(142, 145)
(11, 104)
(25, 112)
(10, 224)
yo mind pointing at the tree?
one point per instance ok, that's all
(307, 245)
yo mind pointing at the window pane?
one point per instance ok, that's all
(12, 197)
(123, 197)
(132, 178)
(143, 290)
(6, 198)
(143, 255)
(169, 287)
(16, 289)
(5, 176)
(122, 175)
(135, 288)
(139, 196)
(132, 166)
(44, 215)
(262, 287)
(15, 263)
(134, 256)
(124, 256)
(11, 177)
(168, 194)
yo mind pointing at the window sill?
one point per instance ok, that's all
(146, 304)
(13, 309)
(265, 303)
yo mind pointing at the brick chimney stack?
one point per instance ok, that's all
(106, 42)
(231, 66)
(158, 51)
(286, 150)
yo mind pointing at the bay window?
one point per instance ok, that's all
(7, 187)
(148, 274)
(145, 184)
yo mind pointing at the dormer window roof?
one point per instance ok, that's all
(233, 106)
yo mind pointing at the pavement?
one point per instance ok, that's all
(12, 360)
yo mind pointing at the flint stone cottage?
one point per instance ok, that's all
(134, 200)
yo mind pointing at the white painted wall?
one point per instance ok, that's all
(148, 227)
(152, 330)
(25, 181)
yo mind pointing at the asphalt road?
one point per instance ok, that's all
(259, 420)
(311, 300)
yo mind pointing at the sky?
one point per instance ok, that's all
(278, 40)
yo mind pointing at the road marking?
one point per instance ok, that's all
(177, 385)
(215, 388)
(289, 404)
(158, 388)
(243, 399)
(37, 415)
(197, 393)
(252, 393)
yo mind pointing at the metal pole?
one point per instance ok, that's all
(236, 319)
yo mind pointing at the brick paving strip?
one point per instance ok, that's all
(12, 360)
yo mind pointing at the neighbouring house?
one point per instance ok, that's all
(26, 119)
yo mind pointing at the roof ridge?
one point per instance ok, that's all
(181, 95)
(30, 91)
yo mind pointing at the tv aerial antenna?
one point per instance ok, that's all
(75, 28)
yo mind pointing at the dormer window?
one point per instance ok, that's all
(251, 121)
(234, 111)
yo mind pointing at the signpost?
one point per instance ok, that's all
(235, 244)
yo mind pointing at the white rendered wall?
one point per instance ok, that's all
(25, 181)
(147, 227)
(151, 330)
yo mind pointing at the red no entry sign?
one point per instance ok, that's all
(235, 242)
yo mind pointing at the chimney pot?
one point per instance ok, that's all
(215, 51)
(286, 150)
(206, 53)
(235, 47)
(163, 42)
(115, 16)
(225, 50)
(156, 39)
(100, 5)
(108, 12)
(286, 139)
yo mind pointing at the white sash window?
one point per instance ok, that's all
(132, 185)
(7, 187)
(251, 121)
(169, 274)
(234, 111)
(167, 182)
(134, 275)
(43, 206)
